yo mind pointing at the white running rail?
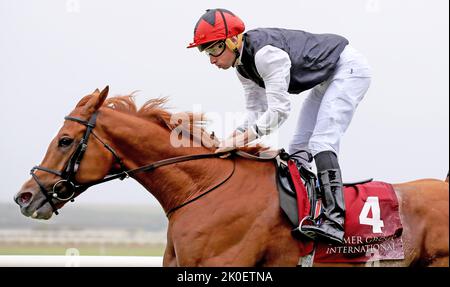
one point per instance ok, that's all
(79, 261)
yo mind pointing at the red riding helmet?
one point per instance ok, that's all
(216, 24)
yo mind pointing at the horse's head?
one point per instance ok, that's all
(76, 156)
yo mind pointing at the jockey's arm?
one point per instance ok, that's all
(273, 65)
(255, 103)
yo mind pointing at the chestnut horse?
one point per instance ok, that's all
(221, 211)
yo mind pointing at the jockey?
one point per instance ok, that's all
(273, 63)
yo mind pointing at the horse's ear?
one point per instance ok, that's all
(96, 101)
(97, 91)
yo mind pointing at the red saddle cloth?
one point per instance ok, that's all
(372, 227)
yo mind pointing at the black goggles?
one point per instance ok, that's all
(215, 49)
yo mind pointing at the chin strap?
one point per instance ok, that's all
(235, 47)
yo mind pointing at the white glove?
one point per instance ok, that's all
(237, 140)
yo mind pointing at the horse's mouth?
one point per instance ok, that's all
(43, 210)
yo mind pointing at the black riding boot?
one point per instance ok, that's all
(330, 224)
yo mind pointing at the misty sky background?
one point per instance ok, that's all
(53, 52)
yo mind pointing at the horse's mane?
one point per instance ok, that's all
(155, 111)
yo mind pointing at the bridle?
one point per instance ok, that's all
(70, 170)
(72, 167)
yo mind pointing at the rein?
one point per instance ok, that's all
(69, 172)
(204, 193)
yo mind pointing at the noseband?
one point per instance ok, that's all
(70, 170)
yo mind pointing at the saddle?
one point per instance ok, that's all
(287, 186)
(288, 191)
(372, 221)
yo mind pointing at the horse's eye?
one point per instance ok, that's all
(65, 142)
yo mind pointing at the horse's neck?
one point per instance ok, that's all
(140, 142)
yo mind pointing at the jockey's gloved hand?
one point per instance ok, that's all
(237, 140)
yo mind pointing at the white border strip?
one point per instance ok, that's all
(79, 261)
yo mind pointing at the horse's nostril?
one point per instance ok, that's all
(24, 198)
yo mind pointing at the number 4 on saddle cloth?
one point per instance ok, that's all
(372, 227)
